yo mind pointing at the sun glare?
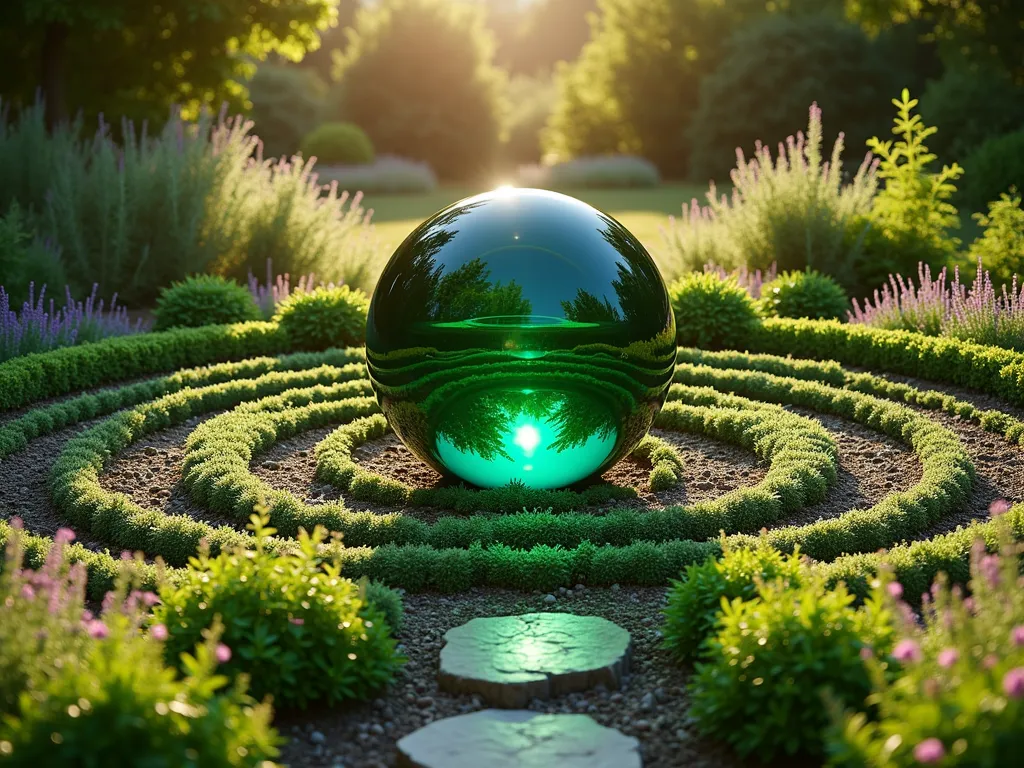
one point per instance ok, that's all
(527, 438)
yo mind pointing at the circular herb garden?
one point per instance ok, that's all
(827, 441)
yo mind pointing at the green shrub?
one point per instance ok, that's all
(695, 600)
(298, 630)
(286, 104)
(338, 144)
(969, 106)
(993, 168)
(25, 259)
(204, 300)
(813, 59)
(912, 214)
(804, 294)
(957, 696)
(84, 689)
(606, 172)
(418, 77)
(711, 312)
(386, 175)
(327, 316)
(761, 688)
(794, 212)
(1001, 246)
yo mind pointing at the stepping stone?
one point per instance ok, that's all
(502, 738)
(510, 660)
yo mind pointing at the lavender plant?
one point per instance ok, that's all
(137, 214)
(794, 210)
(752, 281)
(41, 325)
(979, 312)
(277, 288)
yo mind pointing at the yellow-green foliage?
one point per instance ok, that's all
(418, 77)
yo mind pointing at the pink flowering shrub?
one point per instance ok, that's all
(955, 696)
(79, 687)
(292, 624)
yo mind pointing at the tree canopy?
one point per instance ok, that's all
(135, 59)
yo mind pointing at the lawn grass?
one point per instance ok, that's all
(643, 211)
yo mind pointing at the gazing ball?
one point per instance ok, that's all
(521, 336)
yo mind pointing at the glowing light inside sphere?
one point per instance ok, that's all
(520, 336)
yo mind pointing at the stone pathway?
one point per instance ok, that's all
(501, 738)
(509, 660)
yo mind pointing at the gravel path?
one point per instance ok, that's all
(653, 704)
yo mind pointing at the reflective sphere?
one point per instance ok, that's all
(521, 335)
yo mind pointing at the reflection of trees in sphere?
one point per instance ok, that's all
(521, 335)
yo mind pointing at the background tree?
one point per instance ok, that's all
(979, 31)
(123, 57)
(772, 70)
(419, 78)
(637, 81)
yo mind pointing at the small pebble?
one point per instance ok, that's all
(317, 737)
(550, 599)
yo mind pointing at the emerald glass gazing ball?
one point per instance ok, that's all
(521, 336)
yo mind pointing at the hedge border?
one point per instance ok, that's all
(28, 379)
(801, 453)
(831, 373)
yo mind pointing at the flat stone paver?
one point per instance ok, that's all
(502, 738)
(509, 660)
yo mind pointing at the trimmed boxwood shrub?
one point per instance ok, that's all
(712, 312)
(338, 144)
(807, 294)
(204, 300)
(297, 629)
(694, 601)
(327, 316)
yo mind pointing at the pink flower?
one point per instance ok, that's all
(150, 598)
(27, 592)
(907, 650)
(1013, 683)
(222, 653)
(895, 589)
(97, 629)
(1017, 635)
(989, 567)
(969, 604)
(948, 657)
(159, 632)
(17, 523)
(866, 653)
(297, 622)
(929, 751)
(64, 536)
(999, 507)
(990, 661)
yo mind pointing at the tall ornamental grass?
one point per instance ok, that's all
(137, 213)
(979, 311)
(794, 210)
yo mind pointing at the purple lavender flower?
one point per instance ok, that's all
(277, 289)
(978, 312)
(41, 325)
